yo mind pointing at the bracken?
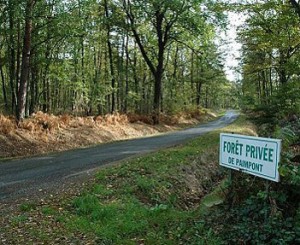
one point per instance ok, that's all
(6, 125)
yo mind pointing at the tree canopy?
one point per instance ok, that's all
(270, 63)
(103, 56)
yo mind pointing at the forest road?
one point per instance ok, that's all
(24, 178)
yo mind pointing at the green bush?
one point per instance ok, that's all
(257, 211)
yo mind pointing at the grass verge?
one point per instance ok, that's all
(159, 198)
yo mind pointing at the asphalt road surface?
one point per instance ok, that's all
(24, 177)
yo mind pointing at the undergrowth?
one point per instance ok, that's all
(257, 211)
(40, 121)
(6, 125)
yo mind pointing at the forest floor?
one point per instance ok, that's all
(44, 133)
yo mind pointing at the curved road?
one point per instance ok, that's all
(23, 177)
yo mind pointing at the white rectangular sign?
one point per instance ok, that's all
(254, 155)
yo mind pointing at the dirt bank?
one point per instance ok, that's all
(43, 133)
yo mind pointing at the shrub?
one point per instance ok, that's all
(135, 118)
(98, 119)
(258, 220)
(65, 119)
(28, 125)
(46, 121)
(6, 125)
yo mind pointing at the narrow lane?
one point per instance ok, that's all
(25, 176)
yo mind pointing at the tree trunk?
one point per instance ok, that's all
(12, 63)
(4, 89)
(282, 68)
(22, 93)
(162, 28)
(33, 85)
(110, 56)
(270, 81)
(137, 106)
(159, 68)
(206, 97)
(126, 74)
(174, 75)
(198, 96)
(18, 68)
(259, 90)
(282, 76)
(192, 76)
(157, 97)
(120, 92)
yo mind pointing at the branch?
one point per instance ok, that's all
(127, 8)
(172, 22)
(195, 51)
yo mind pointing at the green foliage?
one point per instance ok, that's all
(26, 207)
(86, 205)
(19, 219)
(288, 169)
(47, 210)
(287, 135)
(270, 60)
(70, 68)
(255, 221)
(257, 211)
(286, 100)
(290, 174)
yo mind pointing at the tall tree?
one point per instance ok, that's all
(271, 48)
(22, 93)
(163, 18)
(110, 55)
